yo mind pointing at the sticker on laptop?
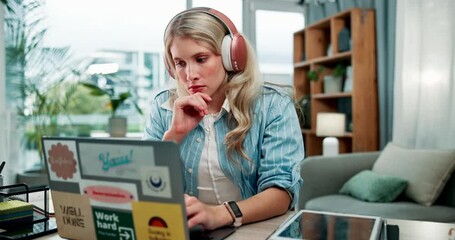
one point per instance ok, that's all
(112, 224)
(114, 160)
(158, 220)
(109, 194)
(62, 160)
(73, 214)
(156, 181)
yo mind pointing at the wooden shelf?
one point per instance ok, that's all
(360, 104)
(325, 60)
(331, 95)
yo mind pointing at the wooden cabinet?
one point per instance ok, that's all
(318, 45)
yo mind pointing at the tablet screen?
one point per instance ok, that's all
(318, 225)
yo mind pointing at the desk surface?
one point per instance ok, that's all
(416, 230)
(409, 230)
(260, 230)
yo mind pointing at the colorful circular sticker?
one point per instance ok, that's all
(62, 161)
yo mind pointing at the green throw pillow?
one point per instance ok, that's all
(372, 187)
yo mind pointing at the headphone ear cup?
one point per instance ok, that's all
(238, 53)
(226, 53)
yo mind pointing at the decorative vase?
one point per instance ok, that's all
(332, 84)
(348, 81)
(344, 40)
(117, 126)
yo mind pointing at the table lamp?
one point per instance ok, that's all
(330, 125)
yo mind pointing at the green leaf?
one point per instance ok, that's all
(95, 90)
(313, 75)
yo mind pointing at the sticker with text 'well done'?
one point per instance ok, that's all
(73, 214)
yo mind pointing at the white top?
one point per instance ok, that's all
(214, 187)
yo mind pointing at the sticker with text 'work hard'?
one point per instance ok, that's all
(111, 224)
(109, 194)
(114, 160)
(158, 221)
(73, 214)
(62, 160)
(156, 181)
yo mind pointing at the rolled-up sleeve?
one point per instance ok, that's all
(282, 149)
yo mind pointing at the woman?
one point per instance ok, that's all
(240, 140)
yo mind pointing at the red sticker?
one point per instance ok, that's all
(157, 222)
(108, 194)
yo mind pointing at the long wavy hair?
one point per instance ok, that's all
(242, 88)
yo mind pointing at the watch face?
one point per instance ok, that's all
(235, 209)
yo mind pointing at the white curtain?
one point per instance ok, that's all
(424, 97)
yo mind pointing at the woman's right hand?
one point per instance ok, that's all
(188, 112)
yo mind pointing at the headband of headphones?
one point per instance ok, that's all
(233, 47)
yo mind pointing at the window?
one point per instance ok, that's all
(126, 38)
(128, 35)
(274, 44)
(271, 25)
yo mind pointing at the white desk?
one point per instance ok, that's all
(259, 230)
(409, 230)
(416, 230)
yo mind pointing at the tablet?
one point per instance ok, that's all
(306, 224)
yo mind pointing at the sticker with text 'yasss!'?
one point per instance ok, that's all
(113, 160)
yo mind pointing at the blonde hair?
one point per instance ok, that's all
(242, 88)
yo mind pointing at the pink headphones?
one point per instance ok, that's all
(233, 47)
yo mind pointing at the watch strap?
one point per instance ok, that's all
(235, 212)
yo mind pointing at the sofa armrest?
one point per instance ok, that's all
(323, 175)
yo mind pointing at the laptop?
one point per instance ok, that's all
(111, 188)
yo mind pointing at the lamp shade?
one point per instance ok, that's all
(330, 124)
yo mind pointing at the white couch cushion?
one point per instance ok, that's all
(426, 170)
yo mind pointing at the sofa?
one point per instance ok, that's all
(324, 176)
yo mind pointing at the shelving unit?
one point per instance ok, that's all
(311, 50)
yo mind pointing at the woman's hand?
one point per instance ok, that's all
(188, 112)
(264, 205)
(208, 216)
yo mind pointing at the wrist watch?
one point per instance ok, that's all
(235, 212)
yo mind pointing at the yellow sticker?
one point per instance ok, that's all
(158, 221)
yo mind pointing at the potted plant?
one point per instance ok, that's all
(313, 75)
(37, 85)
(333, 82)
(117, 124)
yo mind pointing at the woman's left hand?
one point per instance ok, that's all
(208, 216)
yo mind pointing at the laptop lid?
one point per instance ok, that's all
(107, 188)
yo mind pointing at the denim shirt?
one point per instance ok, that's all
(274, 144)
